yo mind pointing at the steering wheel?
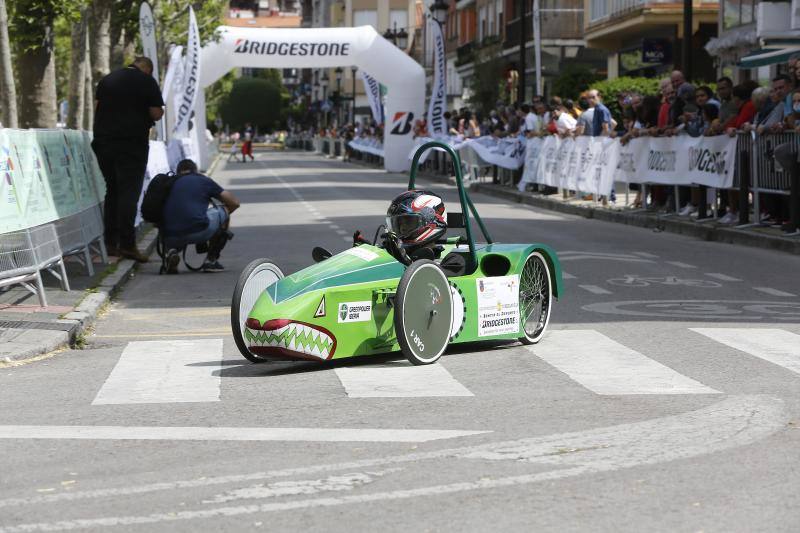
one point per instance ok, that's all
(391, 243)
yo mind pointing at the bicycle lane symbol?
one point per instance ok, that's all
(633, 280)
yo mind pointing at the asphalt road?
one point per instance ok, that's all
(665, 397)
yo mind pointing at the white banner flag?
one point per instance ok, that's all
(373, 90)
(147, 33)
(438, 104)
(191, 78)
(533, 148)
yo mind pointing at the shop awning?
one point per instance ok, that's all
(769, 56)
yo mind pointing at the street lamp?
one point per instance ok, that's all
(389, 35)
(402, 37)
(339, 72)
(439, 10)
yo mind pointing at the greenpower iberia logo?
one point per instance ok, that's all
(342, 312)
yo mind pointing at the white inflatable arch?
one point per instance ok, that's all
(325, 48)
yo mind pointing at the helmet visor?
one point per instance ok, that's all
(406, 224)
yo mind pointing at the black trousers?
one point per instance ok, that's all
(123, 164)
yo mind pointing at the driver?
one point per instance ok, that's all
(418, 219)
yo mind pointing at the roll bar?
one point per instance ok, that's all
(466, 203)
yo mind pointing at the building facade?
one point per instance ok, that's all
(645, 37)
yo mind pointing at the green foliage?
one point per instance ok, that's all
(260, 101)
(215, 96)
(610, 89)
(573, 80)
(487, 84)
(31, 21)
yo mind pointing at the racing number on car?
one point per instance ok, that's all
(417, 341)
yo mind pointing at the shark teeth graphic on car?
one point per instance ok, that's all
(287, 338)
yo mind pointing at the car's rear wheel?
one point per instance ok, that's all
(535, 298)
(255, 277)
(423, 312)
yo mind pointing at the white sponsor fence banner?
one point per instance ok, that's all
(438, 105)
(191, 80)
(373, 90)
(506, 153)
(585, 164)
(533, 148)
(367, 144)
(681, 160)
(147, 33)
(592, 164)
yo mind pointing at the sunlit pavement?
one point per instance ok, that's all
(664, 398)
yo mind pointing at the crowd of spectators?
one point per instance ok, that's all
(680, 108)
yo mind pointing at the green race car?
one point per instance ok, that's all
(377, 298)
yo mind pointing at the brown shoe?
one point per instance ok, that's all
(133, 253)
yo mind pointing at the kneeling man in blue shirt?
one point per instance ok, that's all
(188, 218)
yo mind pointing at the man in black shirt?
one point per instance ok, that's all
(128, 101)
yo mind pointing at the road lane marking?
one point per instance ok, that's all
(564, 275)
(731, 423)
(594, 289)
(341, 232)
(721, 277)
(607, 367)
(645, 255)
(165, 372)
(679, 264)
(777, 346)
(775, 292)
(230, 433)
(402, 380)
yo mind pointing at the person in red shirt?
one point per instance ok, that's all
(667, 97)
(747, 111)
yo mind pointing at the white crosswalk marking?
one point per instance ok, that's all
(679, 264)
(565, 275)
(399, 380)
(165, 372)
(607, 367)
(774, 345)
(721, 277)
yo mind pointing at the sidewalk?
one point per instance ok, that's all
(27, 330)
(708, 230)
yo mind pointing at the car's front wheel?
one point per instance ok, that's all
(423, 312)
(255, 277)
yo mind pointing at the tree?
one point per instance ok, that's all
(258, 101)
(77, 74)
(8, 90)
(487, 83)
(34, 38)
(573, 80)
(100, 39)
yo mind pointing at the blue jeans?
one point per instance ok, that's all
(217, 217)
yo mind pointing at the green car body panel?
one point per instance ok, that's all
(343, 306)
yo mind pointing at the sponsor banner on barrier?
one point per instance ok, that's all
(506, 153)
(680, 160)
(586, 164)
(368, 145)
(533, 148)
(46, 175)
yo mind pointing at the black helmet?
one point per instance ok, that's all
(417, 217)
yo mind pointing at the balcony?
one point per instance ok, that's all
(605, 10)
(465, 54)
(555, 26)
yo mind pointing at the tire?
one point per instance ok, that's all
(535, 298)
(255, 277)
(423, 312)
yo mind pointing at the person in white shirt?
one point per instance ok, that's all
(533, 125)
(565, 123)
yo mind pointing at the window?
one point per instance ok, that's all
(365, 17)
(398, 17)
(482, 23)
(498, 7)
(492, 30)
(737, 12)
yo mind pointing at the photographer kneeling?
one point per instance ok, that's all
(188, 219)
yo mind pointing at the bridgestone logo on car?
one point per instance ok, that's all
(499, 322)
(266, 48)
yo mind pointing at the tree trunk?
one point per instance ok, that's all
(37, 84)
(8, 90)
(77, 73)
(100, 39)
(88, 99)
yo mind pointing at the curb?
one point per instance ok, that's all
(28, 343)
(691, 229)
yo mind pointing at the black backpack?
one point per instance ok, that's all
(156, 196)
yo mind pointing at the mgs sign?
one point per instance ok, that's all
(271, 48)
